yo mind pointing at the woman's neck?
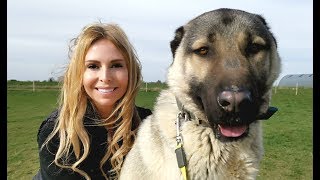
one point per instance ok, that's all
(103, 111)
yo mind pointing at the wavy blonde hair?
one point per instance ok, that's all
(73, 102)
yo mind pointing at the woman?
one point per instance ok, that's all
(94, 127)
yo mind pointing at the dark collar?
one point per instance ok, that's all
(183, 111)
(271, 110)
(91, 115)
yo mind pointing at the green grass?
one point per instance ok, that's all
(146, 99)
(25, 110)
(287, 135)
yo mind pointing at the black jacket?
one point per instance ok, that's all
(91, 164)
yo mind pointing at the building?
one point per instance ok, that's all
(300, 80)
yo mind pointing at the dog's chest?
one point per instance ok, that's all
(210, 159)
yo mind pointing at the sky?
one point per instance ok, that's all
(39, 32)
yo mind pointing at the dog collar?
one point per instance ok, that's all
(271, 110)
(183, 111)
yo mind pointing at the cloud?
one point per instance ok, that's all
(39, 31)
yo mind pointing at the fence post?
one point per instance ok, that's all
(146, 87)
(33, 87)
(297, 88)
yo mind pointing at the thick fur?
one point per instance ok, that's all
(220, 49)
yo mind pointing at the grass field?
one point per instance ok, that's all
(287, 135)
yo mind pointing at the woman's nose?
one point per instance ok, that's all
(105, 75)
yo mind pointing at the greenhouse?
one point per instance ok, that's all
(297, 80)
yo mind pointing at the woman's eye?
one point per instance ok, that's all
(202, 51)
(117, 65)
(92, 66)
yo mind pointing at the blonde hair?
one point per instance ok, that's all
(73, 103)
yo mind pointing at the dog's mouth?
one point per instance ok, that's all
(231, 111)
(232, 128)
(226, 133)
(237, 109)
(232, 131)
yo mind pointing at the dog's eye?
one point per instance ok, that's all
(254, 48)
(202, 51)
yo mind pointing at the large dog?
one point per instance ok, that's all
(225, 62)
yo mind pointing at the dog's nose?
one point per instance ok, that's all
(234, 101)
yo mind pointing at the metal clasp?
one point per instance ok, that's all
(181, 116)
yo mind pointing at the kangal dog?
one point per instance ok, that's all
(224, 64)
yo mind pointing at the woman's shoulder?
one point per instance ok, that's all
(143, 112)
(47, 126)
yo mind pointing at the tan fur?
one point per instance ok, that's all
(153, 154)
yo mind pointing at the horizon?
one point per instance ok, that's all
(38, 36)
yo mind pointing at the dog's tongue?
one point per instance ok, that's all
(232, 131)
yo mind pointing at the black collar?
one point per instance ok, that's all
(183, 111)
(271, 110)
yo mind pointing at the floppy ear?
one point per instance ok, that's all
(265, 23)
(174, 44)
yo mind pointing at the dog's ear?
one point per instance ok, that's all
(174, 44)
(265, 23)
(262, 20)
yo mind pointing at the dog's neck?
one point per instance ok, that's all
(183, 110)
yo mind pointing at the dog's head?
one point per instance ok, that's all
(225, 62)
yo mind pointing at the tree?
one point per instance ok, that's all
(51, 79)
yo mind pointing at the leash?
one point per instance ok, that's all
(181, 156)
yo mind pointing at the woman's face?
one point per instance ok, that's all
(105, 79)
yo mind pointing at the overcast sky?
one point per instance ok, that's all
(39, 31)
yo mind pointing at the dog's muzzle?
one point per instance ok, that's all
(239, 112)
